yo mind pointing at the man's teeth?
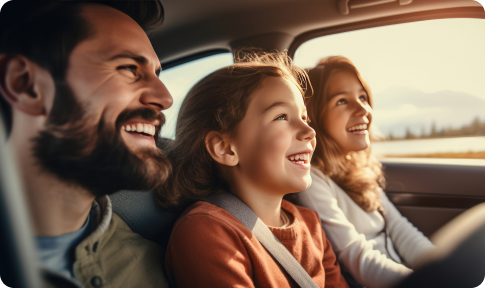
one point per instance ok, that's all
(358, 127)
(140, 128)
(300, 158)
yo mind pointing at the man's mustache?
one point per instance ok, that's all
(144, 113)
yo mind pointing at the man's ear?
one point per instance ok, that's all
(220, 149)
(21, 85)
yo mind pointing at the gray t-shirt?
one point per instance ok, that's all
(57, 253)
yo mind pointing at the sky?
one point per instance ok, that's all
(436, 55)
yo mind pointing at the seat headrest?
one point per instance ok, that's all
(142, 213)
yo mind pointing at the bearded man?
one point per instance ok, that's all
(82, 101)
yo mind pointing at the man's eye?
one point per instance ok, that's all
(341, 102)
(130, 68)
(281, 117)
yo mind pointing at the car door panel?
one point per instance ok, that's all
(431, 192)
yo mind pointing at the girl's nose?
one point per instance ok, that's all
(307, 133)
(362, 109)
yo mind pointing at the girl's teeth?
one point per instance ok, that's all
(133, 127)
(358, 127)
(128, 128)
(300, 158)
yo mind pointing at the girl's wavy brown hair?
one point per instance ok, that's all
(218, 102)
(359, 174)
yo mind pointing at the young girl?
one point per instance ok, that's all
(369, 236)
(244, 129)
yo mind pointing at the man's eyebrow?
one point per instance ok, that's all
(138, 58)
(276, 104)
(142, 60)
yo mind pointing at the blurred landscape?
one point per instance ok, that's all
(412, 123)
(408, 113)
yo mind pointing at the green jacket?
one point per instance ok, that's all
(112, 256)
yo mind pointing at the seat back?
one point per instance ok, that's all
(18, 257)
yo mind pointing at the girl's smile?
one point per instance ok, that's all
(302, 159)
(348, 113)
(274, 143)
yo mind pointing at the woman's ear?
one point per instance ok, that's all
(220, 149)
(21, 85)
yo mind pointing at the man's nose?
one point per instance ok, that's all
(156, 95)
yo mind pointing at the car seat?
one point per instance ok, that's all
(18, 257)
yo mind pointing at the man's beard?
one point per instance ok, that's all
(95, 156)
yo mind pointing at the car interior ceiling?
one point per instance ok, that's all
(271, 24)
(216, 26)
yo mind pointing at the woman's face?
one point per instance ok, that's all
(348, 112)
(274, 142)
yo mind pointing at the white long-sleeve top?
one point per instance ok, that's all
(356, 238)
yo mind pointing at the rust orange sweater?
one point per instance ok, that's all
(210, 248)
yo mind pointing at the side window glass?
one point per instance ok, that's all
(428, 83)
(179, 80)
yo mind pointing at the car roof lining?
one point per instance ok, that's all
(194, 27)
(193, 57)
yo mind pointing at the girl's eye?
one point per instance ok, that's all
(281, 117)
(341, 102)
(363, 98)
(306, 120)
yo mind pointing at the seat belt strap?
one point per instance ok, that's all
(245, 215)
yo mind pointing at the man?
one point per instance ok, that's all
(82, 100)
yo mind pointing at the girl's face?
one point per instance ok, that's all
(274, 142)
(348, 112)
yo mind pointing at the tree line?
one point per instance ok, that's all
(475, 128)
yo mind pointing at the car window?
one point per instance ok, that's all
(180, 79)
(427, 79)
